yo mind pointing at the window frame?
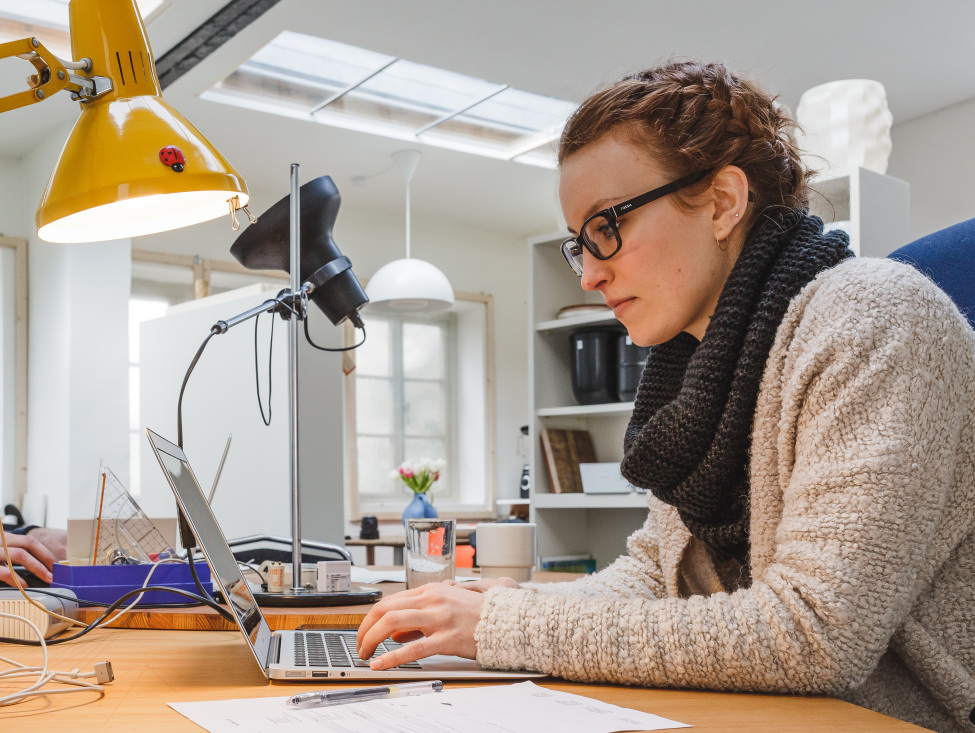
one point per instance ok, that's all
(483, 510)
(21, 304)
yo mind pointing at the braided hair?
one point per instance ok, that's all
(692, 117)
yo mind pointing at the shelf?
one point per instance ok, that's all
(565, 324)
(589, 501)
(510, 502)
(610, 408)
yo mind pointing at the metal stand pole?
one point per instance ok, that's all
(293, 336)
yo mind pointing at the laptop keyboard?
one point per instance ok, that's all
(337, 649)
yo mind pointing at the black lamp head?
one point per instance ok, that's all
(266, 245)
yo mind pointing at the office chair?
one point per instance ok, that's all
(947, 257)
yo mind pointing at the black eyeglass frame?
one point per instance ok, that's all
(614, 212)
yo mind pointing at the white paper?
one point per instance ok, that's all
(363, 575)
(522, 707)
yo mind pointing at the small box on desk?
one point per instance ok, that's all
(107, 583)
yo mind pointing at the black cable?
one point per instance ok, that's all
(85, 602)
(111, 609)
(179, 405)
(196, 578)
(257, 376)
(344, 348)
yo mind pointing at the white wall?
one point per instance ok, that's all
(13, 222)
(936, 155)
(254, 491)
(78, 365)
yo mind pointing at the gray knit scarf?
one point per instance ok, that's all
(689, 437)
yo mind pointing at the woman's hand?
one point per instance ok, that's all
(437, 618)
(29, 552)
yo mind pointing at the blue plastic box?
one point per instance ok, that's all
(105, 584)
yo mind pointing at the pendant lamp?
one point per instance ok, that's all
(408, 285)
(132, 164)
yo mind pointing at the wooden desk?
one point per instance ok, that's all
(153, 668)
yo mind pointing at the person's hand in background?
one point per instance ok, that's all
(29, 552)
(55, 540)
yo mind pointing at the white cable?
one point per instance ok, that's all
(83, 65)
(44, 675)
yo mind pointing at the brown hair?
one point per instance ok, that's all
(696, 117)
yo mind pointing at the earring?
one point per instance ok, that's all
(722, 248)
(736, 216)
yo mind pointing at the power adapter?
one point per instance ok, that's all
(11, 601)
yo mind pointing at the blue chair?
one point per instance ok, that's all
(948, 258)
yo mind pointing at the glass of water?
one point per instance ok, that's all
(429, 551)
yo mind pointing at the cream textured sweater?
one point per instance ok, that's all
(862, 529)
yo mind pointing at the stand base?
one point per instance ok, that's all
(355, 596)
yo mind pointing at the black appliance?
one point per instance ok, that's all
(630, 360)
(594, 365)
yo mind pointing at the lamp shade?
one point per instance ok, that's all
(132, 165)
(409, 285)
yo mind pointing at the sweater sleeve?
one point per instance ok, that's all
(866, 394)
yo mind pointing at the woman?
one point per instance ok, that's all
(804, 427)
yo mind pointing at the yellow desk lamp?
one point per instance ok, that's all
(132, 165)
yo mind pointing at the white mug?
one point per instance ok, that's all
(506, 550)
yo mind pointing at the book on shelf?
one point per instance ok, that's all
(564, 450)
(569, 564)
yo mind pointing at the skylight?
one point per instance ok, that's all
(336, 84)
(47, 20)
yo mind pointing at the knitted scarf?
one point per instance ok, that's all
(689, 437)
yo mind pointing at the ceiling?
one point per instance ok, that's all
(561, 48)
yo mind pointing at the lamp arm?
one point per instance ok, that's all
(52, 76)
(282, 301)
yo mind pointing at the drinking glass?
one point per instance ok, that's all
(429, 551)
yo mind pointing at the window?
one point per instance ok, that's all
(47, 20)
(13, 370)
(420, 389)
(332, 83)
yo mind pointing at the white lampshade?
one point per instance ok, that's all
(409, 285)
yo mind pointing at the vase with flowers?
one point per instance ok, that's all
(419, 477)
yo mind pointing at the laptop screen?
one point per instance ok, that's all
(223, 564)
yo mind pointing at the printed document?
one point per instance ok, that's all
(523, 707)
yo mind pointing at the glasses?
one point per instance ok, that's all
(599, 233)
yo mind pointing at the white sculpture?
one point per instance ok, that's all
(844, 125)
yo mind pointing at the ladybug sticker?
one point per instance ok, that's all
(173, 157)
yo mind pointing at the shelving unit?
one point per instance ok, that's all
(570, 524)
(874, 207)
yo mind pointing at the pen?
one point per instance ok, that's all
(341, 697)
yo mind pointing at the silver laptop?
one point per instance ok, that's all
(292, 655)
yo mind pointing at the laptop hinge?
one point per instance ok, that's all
(274, 649)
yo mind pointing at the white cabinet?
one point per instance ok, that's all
(874, 209)
(571, 524)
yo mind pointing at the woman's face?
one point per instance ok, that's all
(667, 276)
